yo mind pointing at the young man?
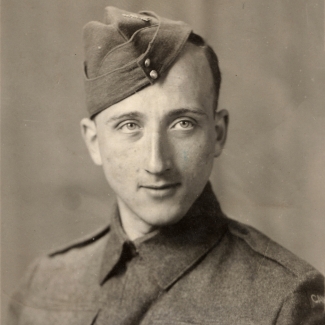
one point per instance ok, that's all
(169, 255)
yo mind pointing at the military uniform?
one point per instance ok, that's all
(207, 269)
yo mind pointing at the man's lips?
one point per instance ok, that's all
(160, 191)
(160, 186)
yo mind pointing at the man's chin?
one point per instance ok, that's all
(159, 219)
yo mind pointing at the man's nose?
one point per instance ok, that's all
(158, 158)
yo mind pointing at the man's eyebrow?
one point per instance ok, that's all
(193, 110)
(172, 113)
(129, 115)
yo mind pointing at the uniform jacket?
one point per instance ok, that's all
(209, 270)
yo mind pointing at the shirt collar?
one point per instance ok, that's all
(174, 249)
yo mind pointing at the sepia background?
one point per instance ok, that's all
(271, 174)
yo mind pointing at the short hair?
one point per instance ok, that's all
(212, 60)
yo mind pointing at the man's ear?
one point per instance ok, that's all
(89, 134)
(221, 127)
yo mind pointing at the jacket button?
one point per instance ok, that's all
(147, 62)
(153, 74)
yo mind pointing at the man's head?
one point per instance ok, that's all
(158, 144)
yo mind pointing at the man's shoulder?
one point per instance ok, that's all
(268, 252)
(62, 271)
(63, 280)
(82, 246)
(85, 251)
(279, 276)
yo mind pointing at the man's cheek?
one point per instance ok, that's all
(114, 168)
(194, 157)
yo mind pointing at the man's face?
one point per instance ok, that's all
(157, 146)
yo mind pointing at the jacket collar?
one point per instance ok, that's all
(116, 244)
(176, 248)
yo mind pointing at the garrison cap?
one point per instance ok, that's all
(126, 53)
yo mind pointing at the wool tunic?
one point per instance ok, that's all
(206, 269)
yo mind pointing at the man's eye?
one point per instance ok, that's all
(184, 124)
(129, 127)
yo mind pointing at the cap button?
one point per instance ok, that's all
(147, 62)
(153, 74)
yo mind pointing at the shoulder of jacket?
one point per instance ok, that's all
(63, 272)
(87, 241)
(71, 264)
(268, 249)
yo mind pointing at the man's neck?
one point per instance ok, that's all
(133, 226)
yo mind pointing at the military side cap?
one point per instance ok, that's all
(126, 53)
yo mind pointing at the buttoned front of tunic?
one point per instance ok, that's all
(206, 269)
(128, 288)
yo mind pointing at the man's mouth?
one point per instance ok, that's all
(160, 190)
(160, 186)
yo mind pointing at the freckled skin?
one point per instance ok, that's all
(155, 147)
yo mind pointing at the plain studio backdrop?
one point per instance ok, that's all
(270, 175)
